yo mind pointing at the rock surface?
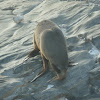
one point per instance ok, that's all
(75, 18)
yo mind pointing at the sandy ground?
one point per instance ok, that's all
(75, 18)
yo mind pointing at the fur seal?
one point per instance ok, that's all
(50, 41)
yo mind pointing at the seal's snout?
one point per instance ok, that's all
(63, 74)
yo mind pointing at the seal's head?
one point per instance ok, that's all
(62, 74)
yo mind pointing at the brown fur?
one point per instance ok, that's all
(50, 41)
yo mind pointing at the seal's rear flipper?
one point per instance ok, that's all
(25, 59)
(33, 53)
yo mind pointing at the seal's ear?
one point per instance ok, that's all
(33, 53)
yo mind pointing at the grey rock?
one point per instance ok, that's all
(98, 59)
(95, 80)
(82, 81)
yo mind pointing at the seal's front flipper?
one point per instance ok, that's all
(71, 64)
(53, 79)
(45, 68)
(37, 76)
